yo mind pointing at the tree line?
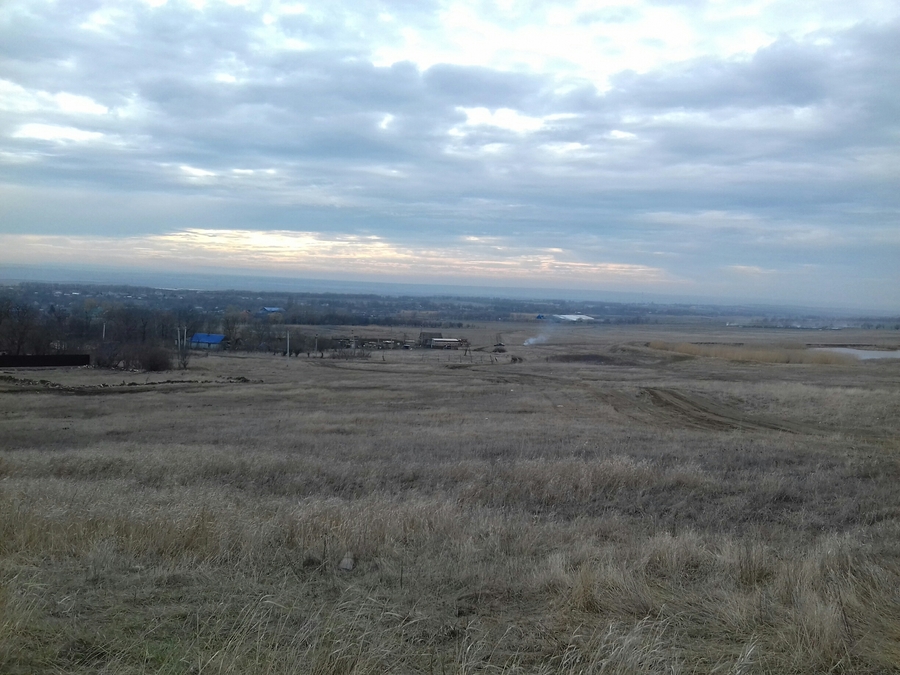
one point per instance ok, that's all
(129, 336)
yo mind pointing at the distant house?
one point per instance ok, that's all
(209, 341)
(270, 313)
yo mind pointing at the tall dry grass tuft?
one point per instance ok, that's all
(685, 558)
(17, 625)
(644, 647)
(749, 561)
(626, 591)
(535, 485)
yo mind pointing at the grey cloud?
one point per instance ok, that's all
(703, 141)
(782, 74)
(481, 87)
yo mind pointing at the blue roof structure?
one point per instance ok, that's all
(207, 339)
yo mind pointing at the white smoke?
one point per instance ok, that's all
(537, 340)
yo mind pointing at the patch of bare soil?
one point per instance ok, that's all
(620, 355)
(600, 359)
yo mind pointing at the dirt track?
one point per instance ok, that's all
(658, 406)
(702, 413)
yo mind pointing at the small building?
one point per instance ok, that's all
(210, 341)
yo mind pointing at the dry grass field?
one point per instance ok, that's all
(602, 506)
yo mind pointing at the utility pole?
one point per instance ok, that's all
(289, 343)
(181, 341)
(182, 347)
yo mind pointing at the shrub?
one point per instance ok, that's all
(107, 355)
(152, 358)
(147, 357)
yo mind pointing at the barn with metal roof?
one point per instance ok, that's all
(207, 341)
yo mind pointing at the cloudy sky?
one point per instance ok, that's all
(745, 149)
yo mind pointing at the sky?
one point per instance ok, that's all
(744, 150)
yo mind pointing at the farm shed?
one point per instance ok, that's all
(207, 341)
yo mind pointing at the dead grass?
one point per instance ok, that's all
(512, 518)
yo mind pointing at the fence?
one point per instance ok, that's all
(48, 361)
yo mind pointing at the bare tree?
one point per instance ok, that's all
(129, 324)
(21, 322)
(231, 322)
(6, 305)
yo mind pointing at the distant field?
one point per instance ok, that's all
(610, 502)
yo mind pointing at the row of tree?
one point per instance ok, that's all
(27, 328)
(131, 336)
